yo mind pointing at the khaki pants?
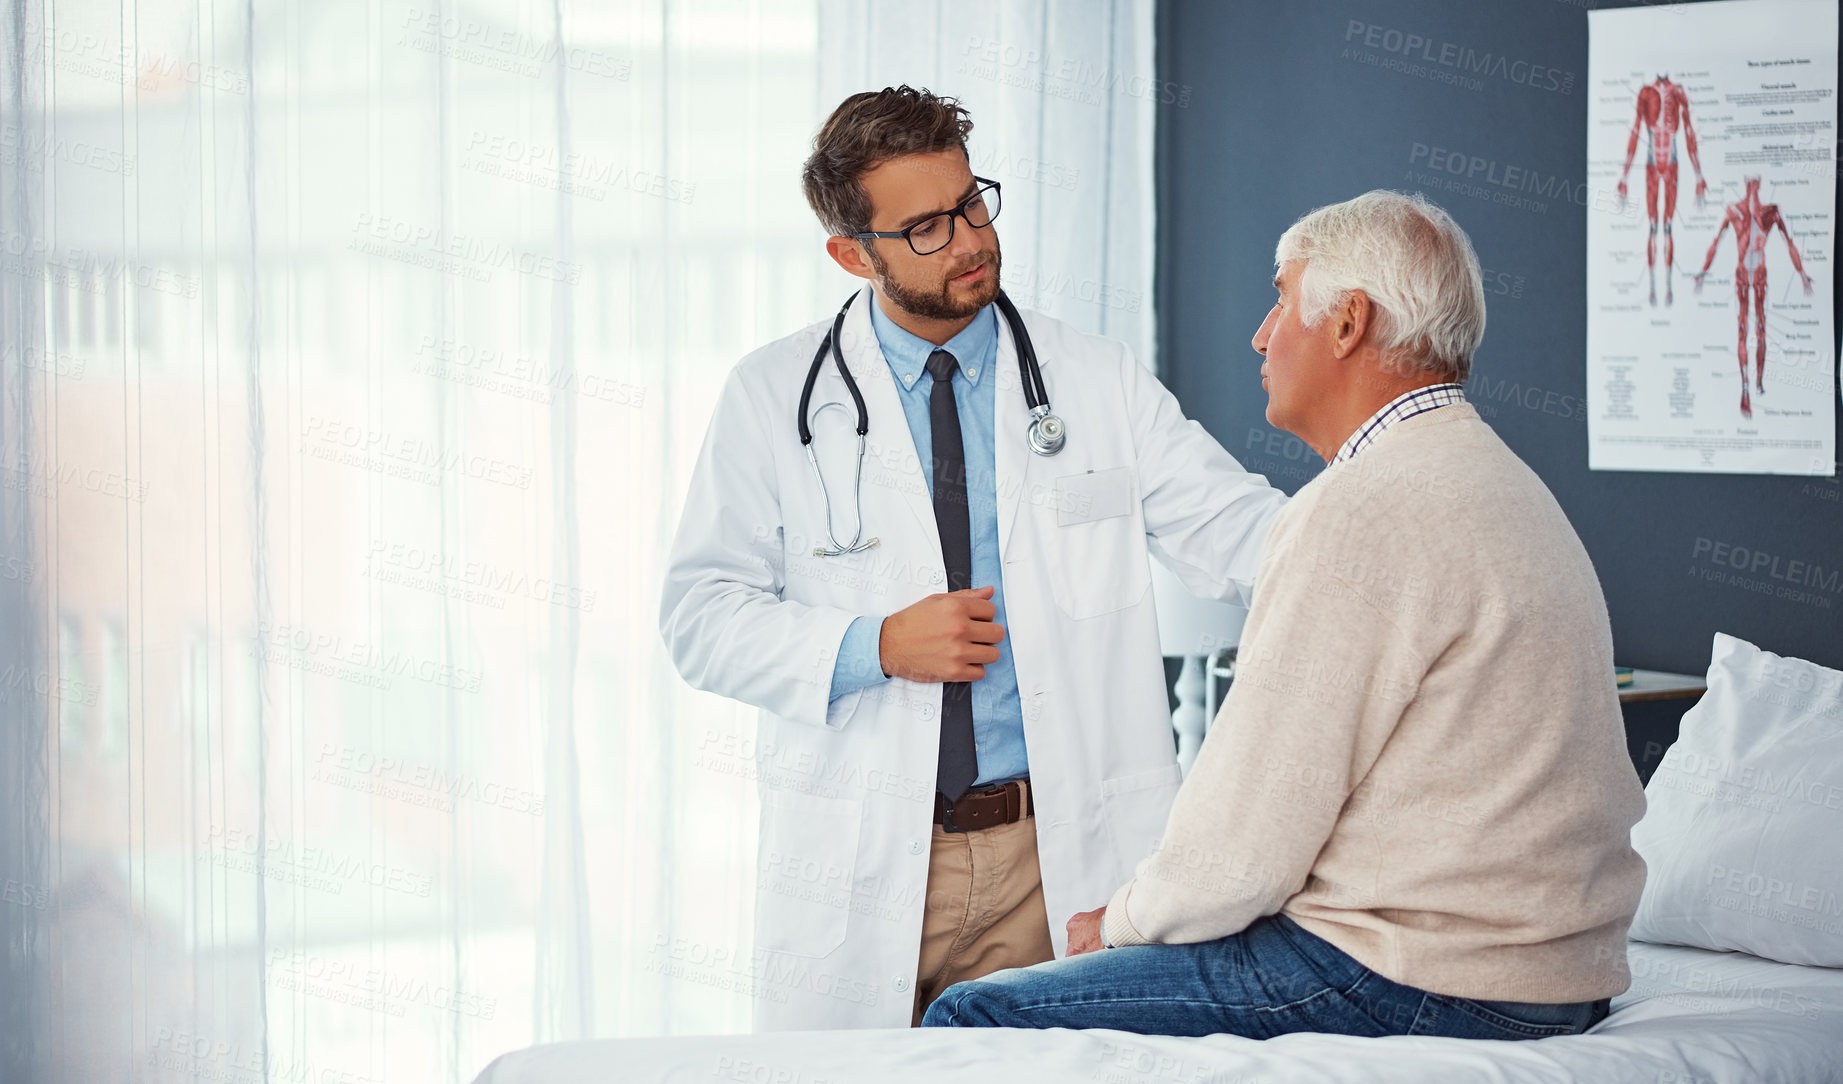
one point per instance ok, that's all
(984, 910)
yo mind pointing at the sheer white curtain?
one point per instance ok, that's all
(354, 361)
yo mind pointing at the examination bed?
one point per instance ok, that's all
(1692, 1016)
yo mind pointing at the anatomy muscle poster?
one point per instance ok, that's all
(1710, 237)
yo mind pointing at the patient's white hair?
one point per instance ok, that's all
(1413, 261)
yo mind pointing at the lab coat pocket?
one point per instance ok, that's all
(840, 711)
(1097, 557)
(1136, 807)
(804, 875)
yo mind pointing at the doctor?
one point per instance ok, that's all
(941, 602)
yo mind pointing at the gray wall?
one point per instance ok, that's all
(1280, 119)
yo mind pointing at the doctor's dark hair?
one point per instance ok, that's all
(867, 130)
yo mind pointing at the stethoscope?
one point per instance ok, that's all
(1045, 436)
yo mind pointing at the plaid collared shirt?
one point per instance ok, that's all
(1402, 407)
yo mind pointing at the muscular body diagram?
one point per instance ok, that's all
(1752, 221)
(1663, 107)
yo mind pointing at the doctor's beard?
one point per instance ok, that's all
(940, 303)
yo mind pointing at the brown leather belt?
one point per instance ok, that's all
(988, 807)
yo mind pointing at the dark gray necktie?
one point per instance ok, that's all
(959, 763)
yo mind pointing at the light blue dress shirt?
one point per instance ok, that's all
(998, 721)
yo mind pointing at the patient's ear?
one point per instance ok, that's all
(1351, 318)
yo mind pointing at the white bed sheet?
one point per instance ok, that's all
(1691, 1017)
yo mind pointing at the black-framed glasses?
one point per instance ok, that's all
(934, 233)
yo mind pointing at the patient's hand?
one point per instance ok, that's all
(1085, 932)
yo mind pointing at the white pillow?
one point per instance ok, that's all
(1743, 836)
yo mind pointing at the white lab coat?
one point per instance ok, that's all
(847, 789)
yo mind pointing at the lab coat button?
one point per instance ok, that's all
(915, 847)
(901, 984)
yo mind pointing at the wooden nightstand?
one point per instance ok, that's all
(1660, 685)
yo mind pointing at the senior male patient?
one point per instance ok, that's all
(1412, 815)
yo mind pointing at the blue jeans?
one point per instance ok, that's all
(1271, 979)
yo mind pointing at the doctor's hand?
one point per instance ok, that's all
(1085, 932)
(949, 637)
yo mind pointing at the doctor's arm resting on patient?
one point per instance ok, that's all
(1205, 514)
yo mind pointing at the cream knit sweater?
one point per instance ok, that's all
(1421, 759)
